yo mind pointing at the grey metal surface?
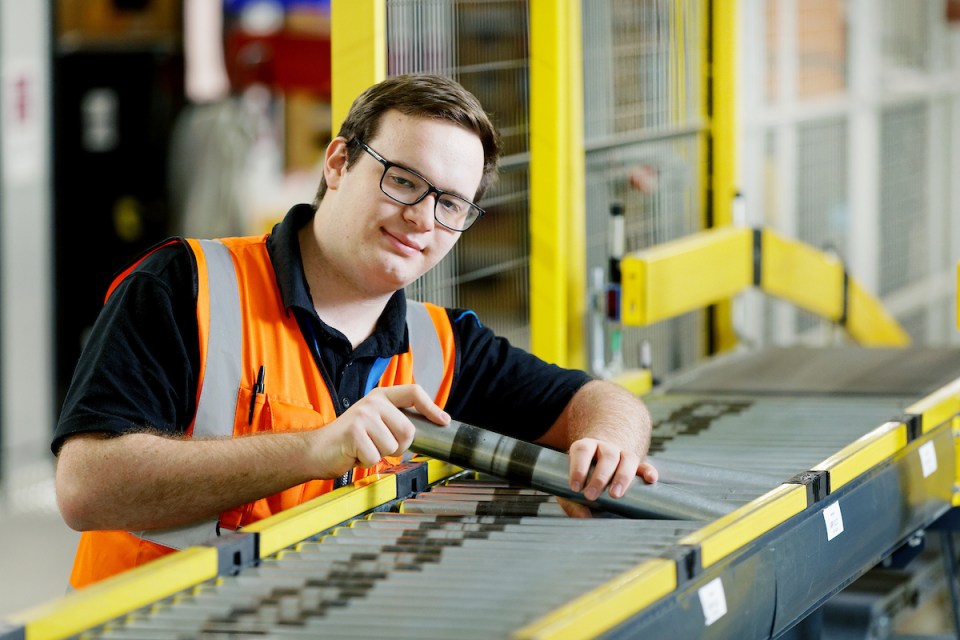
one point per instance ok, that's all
(911, 372)
(481, 576)
(778, 436)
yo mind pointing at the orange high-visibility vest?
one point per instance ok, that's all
(243, 327)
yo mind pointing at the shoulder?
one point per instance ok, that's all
(169, 265)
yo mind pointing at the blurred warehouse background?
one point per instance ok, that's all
(836, 123)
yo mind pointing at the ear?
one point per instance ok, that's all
(335, 162)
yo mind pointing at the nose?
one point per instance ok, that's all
(421, 214)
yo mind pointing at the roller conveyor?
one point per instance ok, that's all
(812, 488)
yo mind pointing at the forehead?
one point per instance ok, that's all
(447, 154)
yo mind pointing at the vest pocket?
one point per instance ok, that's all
(273, 413)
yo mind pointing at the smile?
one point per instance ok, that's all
(405, 245)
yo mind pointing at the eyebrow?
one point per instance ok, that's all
(420, 174)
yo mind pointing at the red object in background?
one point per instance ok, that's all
(953, 10)
(284, 61)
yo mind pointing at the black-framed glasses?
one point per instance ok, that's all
(406, 186)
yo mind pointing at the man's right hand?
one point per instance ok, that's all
(374, 427)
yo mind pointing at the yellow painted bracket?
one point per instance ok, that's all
(608, 605)
(942, 406)
(735, 530)
(636, 381)
(864, 454)
(686, 274)
(938, 407)
(298, 523)
(119, 595)
(702, 269)
(310, 518)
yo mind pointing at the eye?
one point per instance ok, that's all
(453, 206)
(401, 182)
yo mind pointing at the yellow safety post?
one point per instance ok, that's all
(575, 211)
(554, 162)
(723, 156)
(358, 52)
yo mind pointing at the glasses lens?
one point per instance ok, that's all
(455, 212)
(403, 186)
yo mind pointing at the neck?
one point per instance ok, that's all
(338, 300)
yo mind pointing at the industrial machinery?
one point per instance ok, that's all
(817, 465)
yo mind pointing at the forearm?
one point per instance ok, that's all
(144, 481)
(605, 411)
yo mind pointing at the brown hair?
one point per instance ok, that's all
(422, 96)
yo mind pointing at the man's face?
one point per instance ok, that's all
(378, 244)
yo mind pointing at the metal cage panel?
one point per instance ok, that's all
(483, 44)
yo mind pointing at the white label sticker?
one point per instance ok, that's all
(834, 520)
(712, 601)
(928, 459)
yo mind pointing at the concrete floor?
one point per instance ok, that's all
(36, 547)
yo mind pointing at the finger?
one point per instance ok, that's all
(625, 473)
(648, 472)
(409, 396)
(608, 459)
(581, 455)
(365, 450)
(574, 509)
(401, 430)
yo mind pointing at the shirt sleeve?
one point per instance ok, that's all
(138, 368)
(503, 388)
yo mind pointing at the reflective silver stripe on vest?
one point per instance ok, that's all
(221, 381)
(426, 348)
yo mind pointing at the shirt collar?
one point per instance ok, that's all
(283, 246)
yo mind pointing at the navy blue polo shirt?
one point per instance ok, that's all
(138, 370)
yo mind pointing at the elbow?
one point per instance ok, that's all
(71, 501)
(76, 495)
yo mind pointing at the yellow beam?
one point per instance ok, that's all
(864, 454)
(869, 323)
(799, 273)
(722, 537)
(636, 381)
(704, 268)
(550, 152)
(940, 406)
(121, 594)
(358, 52)
(298, 523)
(685, 274)
(608, 605)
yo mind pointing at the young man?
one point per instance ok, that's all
(299, 340)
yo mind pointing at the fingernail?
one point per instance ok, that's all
(591, 494)
(616, 490)
(575, 486)
(444, 416)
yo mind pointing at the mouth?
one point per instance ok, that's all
(404, 244)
